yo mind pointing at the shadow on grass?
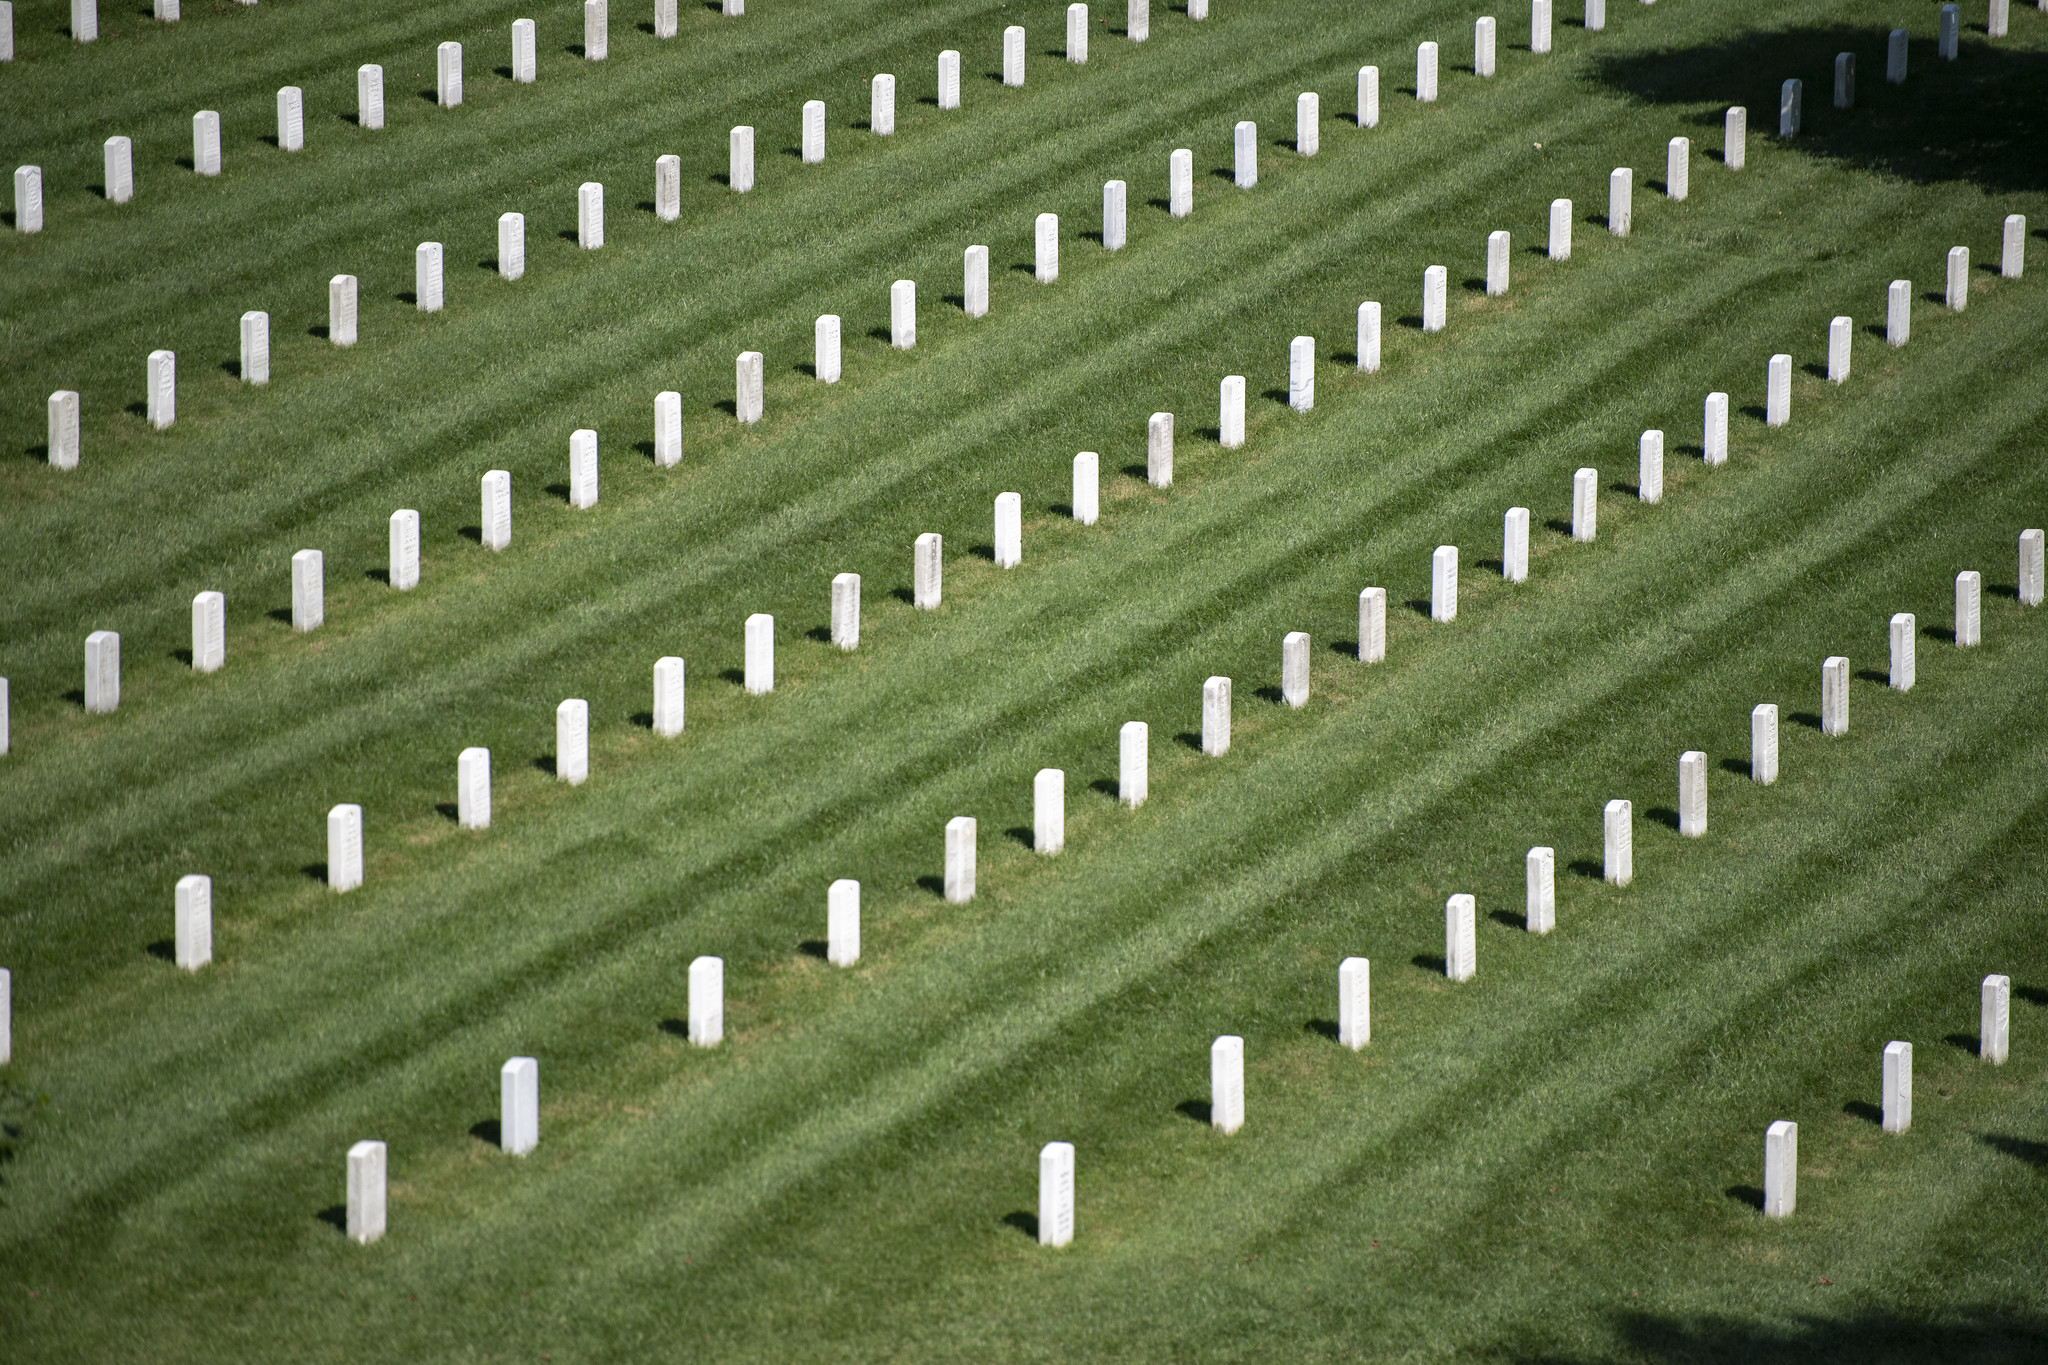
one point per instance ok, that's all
(1198, 1110)
(337, 1216)
(2035, 1154)
(164, 950)
(488, 1131)
(1325, 1028)
(1864, 1109)
(1026, 1223)
(814, 947)
(1963, 1332)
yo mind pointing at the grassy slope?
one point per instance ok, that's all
(1548, 1161)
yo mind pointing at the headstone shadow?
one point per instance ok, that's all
(1432, 963)
(1588, 868)
(2033, 995)
(903, 595)
(1810, 719)
(1108, 786)
(814, 947)
(935, 885)
(1509, 918)
(1348, 648)
(1026, 1223)
(488, 1131)
(1739, 766)
(1746, 1194)
(1418, 605)
(164, 949)
(1271, 694)
(336, 1216)
(448, 810)
(475, 533)
(1322, 1028)
(1962, 1042)
(1864, 1109)
(2035, 1154)
(1873, 675)
(1186, 738)
(675, 1027)
(545, 763)
(183, 656)
(1198, 1110)
(283, 614)
(736, 676)
(1021, 834)
(646, 449)
(317, 871)
(1945, 634)
(822, 634)
(643, 720)
(1664, 816)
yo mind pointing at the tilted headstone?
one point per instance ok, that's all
(1969, 615)
(707, 1001)
(814, 133)
(1046, 239)
(1618, 855)
(1425, 73)
(882, 105)
(1137, 20)
(1245, 159)
(366, 1190)
(1433, 298)
(291, 119)
(1114, 195)
(1013, 56)
(1230, 412)
(119, 155)
(1994, 1019)
(740, 159)
(583, 468)
(1133, 763)
(163, 389)
(747, 396)
(927, 570)
(1009, 530)
(668, 187)
(1735, 137)
(1301, 374)
(1354, 1003)
(524, 51)
(1692, 793)
(1585, 505)
(1778, 391)
(1368, 97)
(448, 75)
(960, 859)
(597, 40)
(1539, 875)
(974, 290)
(1180, 183)
(1781, 1169)
(2012, 259)
(949, 79)
(206, 142)
(2030, 567)
(1650, 467)
(370, 96)
(1834, 695)
(496, 531)
(1483, 46)
(519, 1106)
(1443, 584)
(1958, 295)
(473, 788)
(1560, 229)
(1898, 312)
(1216, 717)
(1049, 810)
(309, 590)
(1838, 349)
(1895, 57)
(193, 922)
(1904, 667)
(1369, 337)
(664, 18)
(404, 569)
(1077, 34)
(903, 314)
(511, 245)
(572, 741)
(255, 348)
(1763, 744)
(1461, 938)
(341, 310)
(842, 922)
(1497, 247)
(1714, 443)
(209, 632)
(345, 847)
(427, 260)
(1087, 487)
(1372, 625)
(760, 665)
(846, 610)
(1898, 1087)
(1845, 80)
(1790, 96)
(102, 672)
(1226, 1083)
(668, 428)
(1514, 548)
(590, 215)
(1159, 450)
(669, 696)
(1308, 123)
(1620, 200)
(64, 443)
(1056, 1194)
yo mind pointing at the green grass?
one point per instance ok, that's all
(1553, 1161)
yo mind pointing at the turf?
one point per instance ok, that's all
(1555, 1161)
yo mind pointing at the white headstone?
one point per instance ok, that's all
(119, 155)
(846, 610)
(1763, 744)
(1618, 859)
(1677, 168)
(1714, 446)
(1620, 199)
(1180, 183)
(1898, 313)
(523, 51)
(1514, 546)
(1056, 1194)
(2000, 16)
(85, 20)
(1354, 1002)
(1368, 97)
(1539, 914)
(1425, 73)
(1013, 56)
(1946, 44)
(205, 148)
(1692, 793)
(519, 1105)
(1496, 264)
(1838, 349)
(1308, 123)
(707, 1001)
(427, 262)
(597, 41)
(1903, 627)
(842, 922)
(1834, 695)
(366, 1177)
(345, 847)
(1969, 618)
(1895, 57)
(949, 79)
(1650, 467)
(1735, 137)
(1077, 34)
(664, 18)
(590, 215)
(209, 632)
(1433, 298)
(1049, 810)
(405, 549)
(882, 105)
(341, 310)
(1461, 938)
(1482, 46)
(960, 832)
(194, 922)
(1443, 584)
(1009, 530)
(6, 55)
(1138, 20)
(1781, 1168)
(927, 570)
(1778, 391)
(1585, 505)
(1539, 27)
(1134, 763)
(733, 9)
(1046, 237)
(496, 530)
(814, 132)
(974, 290)
(1596, 15)
(668, 187)
(740, 159)
(583, 468)
(1226, 1083)
(1898, 1087)
(760, 665)
(1958, 296)
(473, 788)
(1372, 625)
(903, 314)
(370, 96)
(1301, 374)
(1560, 229)
(291, 119)
(64, 429)
(1216, 716)
(511, 245)
(825, 348)
(669, 696)
(1994, 1017)
(1790, 96)
(747, 397)
(6, 1015)
(5, 727)
(2030, 567)
(2012, 260)
(309, 590)
(255, 348)
(1087, 487)
(163, 389)
(1845, 80)
(1230, 412)
(668, 428)
(1198, 9)
(572, 741)
(448, 75)
(1114, 194)
(1294, 668)
(1369, 337)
